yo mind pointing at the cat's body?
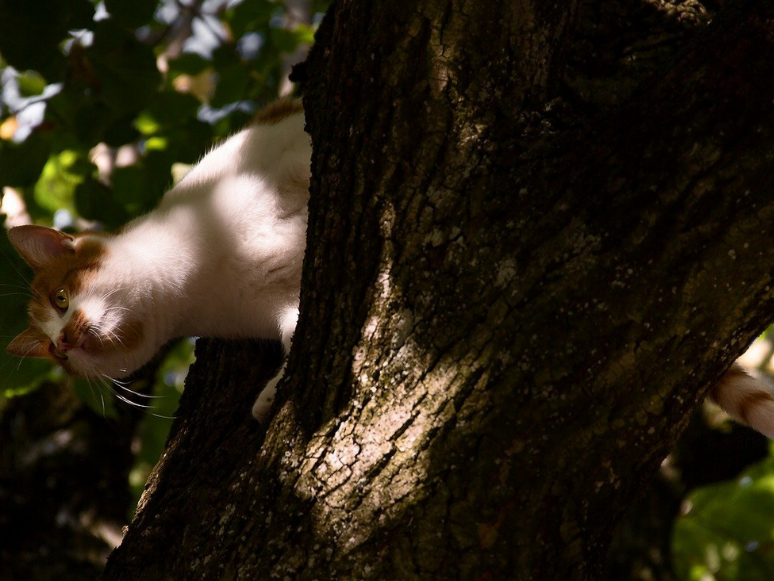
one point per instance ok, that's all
(220, 257)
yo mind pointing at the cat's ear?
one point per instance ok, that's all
(39, 245)
(28, 343)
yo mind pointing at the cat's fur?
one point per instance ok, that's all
(220, 257)
(747, 399)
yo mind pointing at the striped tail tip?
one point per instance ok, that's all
(747, 399)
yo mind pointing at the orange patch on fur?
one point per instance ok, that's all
(76, 328)
(68, 271)
(751, 401)
(31, 342)
(130, 334)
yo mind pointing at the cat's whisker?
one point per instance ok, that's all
(26, 289)
(121, 382)
(106, 382)
(22, 276)
(94, 332)
(115, 337)
(101, 397)
(101, 336)
(131, 403)
(127, 401)
(24, 356)
(26, 295)
(123, 386)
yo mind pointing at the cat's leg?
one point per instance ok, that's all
(287, 325)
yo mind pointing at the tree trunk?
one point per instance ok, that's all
(511, 303)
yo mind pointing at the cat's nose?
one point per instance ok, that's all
(62, 344)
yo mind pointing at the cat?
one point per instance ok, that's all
(220, 257)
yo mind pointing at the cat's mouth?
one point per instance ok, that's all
(61, 355)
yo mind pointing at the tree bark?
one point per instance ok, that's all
(511, 304)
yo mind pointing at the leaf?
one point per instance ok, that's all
(94, 201)
(31, 83)
(232, 86)
(287, 41)
(188, 64)
(120, 132)
(728, 531)
(171, 109)
(251, 16)
(22, 163)
(138, 188)
(125, 69)
(31, 32)
(131, 14)
(54, 190)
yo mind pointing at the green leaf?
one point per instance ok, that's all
(94, 201)
(287, 41)
(232, 86)
(188, 142)
(171, 109)
(188, 64)
(121, 132)
(138, 188)
(91, 119)
(131, 14)
(233, 77)
(125, 68)
(61, 174)
(22, 163)
(32, 30)
(251, 16)
(30, 83)
(727, 532)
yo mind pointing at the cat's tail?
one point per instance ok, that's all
(747, 399)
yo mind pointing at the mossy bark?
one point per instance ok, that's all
(511, 304)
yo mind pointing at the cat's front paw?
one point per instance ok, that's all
(262, 405)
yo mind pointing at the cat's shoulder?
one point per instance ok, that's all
(277, 111)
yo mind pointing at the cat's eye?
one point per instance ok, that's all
(60, 299)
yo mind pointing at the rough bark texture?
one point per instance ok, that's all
(510, 306)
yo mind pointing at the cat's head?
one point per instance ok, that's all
(78, 316)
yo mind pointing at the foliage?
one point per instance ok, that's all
(726, 532)
(102, 105)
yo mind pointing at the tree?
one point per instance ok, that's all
(441, 429)
(515, 292)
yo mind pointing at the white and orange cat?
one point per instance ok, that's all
(220, 257)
